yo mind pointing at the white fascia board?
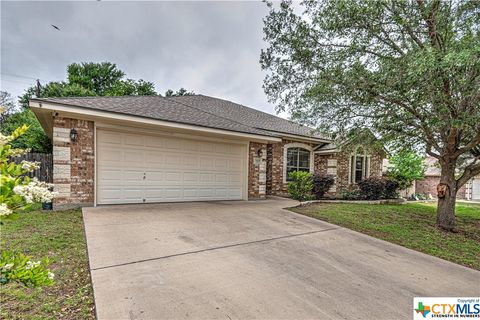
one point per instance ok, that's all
(92, 114)
(326, 151)
(301, 138)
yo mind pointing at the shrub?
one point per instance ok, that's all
(350, 195)
(371, 188)
(18, 193)
(321, 184)
(301, 185)
(391, 187)
(21, 268)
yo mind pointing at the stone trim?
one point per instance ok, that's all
(73, 163)
(296, 145)
(257, 171)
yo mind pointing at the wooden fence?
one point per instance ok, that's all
(45, 160)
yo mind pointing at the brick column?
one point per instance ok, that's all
(73, 163)
(257, 171)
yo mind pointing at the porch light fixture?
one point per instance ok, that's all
(260, 153)
(73, 135)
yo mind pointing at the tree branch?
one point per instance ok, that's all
(470, 171)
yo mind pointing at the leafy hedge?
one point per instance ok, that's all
(378, 188)
(321, 184)
(301, 185)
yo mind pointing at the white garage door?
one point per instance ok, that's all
(476, 189)
(137, 168)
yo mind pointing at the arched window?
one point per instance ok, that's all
(298, 159)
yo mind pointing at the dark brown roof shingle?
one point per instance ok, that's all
(196, 110)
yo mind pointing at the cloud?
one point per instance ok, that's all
(208, 47)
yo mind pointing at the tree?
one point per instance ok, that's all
(97, 77)
(180, 92)
(7, 106)
(407, 70)
(84, 79)
(407, 166)
(36, 140)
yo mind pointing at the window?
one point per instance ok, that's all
(359, 166)
(298, 159)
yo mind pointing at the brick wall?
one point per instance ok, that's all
(275, 153)
(326, 164)
(73, 163)
(257, 171)
(429, 186)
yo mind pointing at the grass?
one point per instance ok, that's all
(410, 225)
(58, 235)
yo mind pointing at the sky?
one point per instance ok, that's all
(212, 48)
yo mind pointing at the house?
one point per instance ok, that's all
(428, 185)
(141, 149)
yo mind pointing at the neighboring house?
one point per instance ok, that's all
(470, 191)
(140, 149)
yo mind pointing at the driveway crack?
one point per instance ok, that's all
(217, 248)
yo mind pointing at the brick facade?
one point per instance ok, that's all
(275, 180)
(429, 186)
(73, 163)
(257, 171)
(74, 166)
(336, 164)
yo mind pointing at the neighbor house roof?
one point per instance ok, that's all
(197, 110)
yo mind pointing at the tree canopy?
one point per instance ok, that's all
(83, 79)
(179, 92)
(407, 70)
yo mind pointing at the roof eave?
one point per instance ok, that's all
(38, 105)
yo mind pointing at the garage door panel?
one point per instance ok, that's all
(134, 140)
(190, 161)
(110, 138)
(136, 168)
(155, 142)
(173, 144)
(174, 193)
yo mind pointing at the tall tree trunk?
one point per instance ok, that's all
(446, 205)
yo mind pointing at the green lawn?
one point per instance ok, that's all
(410, 225)
(60, 236)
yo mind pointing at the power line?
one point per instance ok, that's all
(20, 76)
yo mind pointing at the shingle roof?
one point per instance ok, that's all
(196, 109)
(246, 115)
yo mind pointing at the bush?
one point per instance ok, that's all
(321, 184)
(376, 188)
(371, 188)
(350, 195)
(391, 187)
(300, 188)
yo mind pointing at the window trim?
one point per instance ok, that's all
(352, 160)
(296, 145)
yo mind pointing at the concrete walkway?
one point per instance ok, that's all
(253, 260)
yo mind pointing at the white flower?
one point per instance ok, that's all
(32, 264)
(7, 267)
(4, 210)
(5, 139)
(17, 152)
(35, 191)
(51, 276)
(29, 166)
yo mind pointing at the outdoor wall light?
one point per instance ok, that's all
(73, 135)
(260, 153)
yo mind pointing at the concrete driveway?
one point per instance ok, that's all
(253, 260)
